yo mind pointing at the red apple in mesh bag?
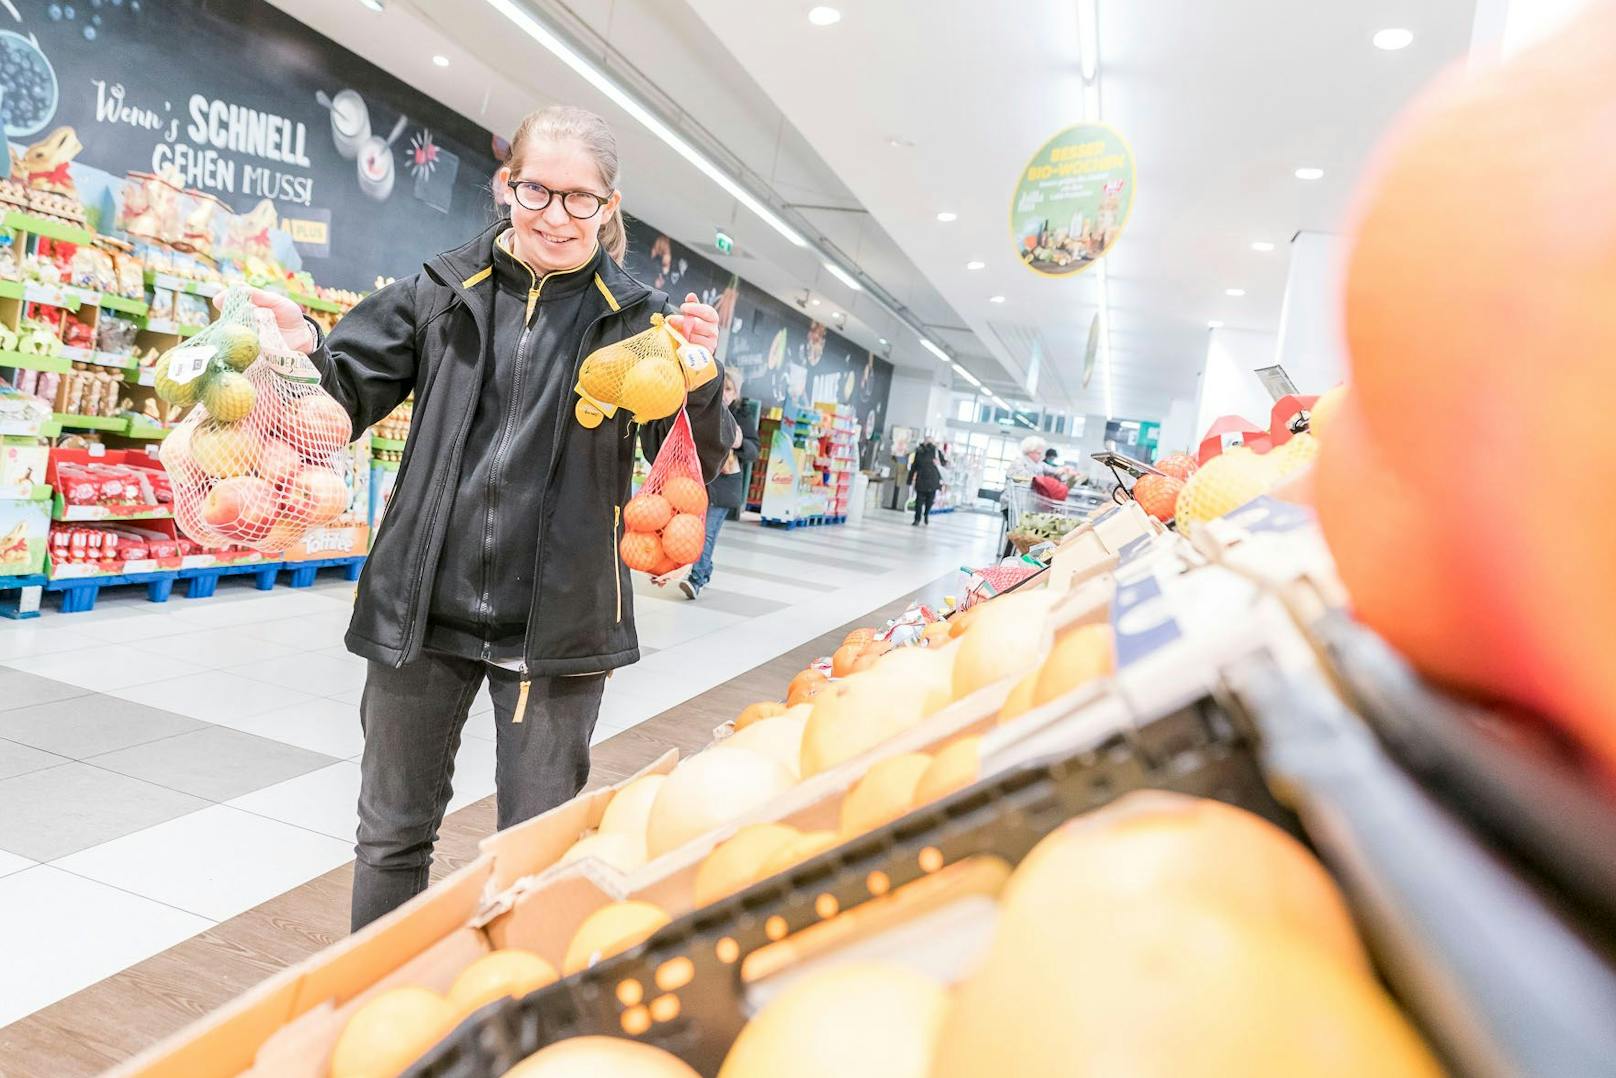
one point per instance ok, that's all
(279, 463)
(240, 507)
(316, 426)
(315, 496)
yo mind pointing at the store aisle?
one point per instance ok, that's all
(165, 768)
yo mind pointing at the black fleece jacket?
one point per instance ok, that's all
(505, 516)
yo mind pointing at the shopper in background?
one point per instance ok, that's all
(725, 492)
(1051, 462)
(497, 560)
(1020, 471)
(926, 476)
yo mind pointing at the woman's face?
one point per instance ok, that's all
(730, 392)
(552, 239)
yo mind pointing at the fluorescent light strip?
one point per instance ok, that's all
(625, 101)
(967, 375)
(843, 276)
(1105, 337)
(1088, 38)
(926, 343)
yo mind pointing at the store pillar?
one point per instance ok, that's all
(1312, 348)
(1504, 27)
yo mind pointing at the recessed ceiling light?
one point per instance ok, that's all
(1214, 324)
(1263, 246)
(824, 16)
(374, 5)
(1393, 38)
(441, 60)
(898, 142)
(1236, 292)
(883, 340)
(946, 216)
(995, 299)
(815, 302)
(1310, 174)
(974, 264)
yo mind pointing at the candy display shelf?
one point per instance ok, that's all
(44, 226)
(60, 421)
(56, 364)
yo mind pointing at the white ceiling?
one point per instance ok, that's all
(1221, 101)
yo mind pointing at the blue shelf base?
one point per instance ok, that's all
(804, 522)
(304, 572)
(201, 583)
(79, 596)
(15, 601)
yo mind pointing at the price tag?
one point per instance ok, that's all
(187, 362)
(698, 365)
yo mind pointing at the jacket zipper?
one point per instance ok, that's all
(617, 572)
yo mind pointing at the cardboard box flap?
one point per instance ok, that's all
(350, 966)
(222, 1044)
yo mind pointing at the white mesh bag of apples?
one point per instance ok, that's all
(259, 460)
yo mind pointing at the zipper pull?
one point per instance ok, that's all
(521, 695)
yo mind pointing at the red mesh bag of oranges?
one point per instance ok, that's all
(259, 460)
(665, 524)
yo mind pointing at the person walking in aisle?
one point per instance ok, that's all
(725, 492)
(926, 476)
(497, 560)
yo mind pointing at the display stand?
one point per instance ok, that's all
(806, 475)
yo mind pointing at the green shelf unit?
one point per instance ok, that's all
(386, 443)
(123, 305)
(314, 303)
(11, 289)
(42, 226)
(28, 361)
(386, 465)
(112, 424)
(149, 432)
(180, 284)
(166, 326)
(187, 330)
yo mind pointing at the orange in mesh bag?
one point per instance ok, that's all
(648, 373)
(665, 524)
(259, 461)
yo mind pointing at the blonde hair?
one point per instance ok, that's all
(732, 378)
(568, 123)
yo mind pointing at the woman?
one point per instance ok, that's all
(926, 477)
(725, 492)
(498, 556)
(1020, 471)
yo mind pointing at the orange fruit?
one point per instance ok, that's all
(1177, 465)
(683, 538)
(640, 551)
(841, 663)
(647, 513)
(802, 681)
(1158, 495)
(665, 566)
(685, 495)
(860, 637)
(875, 649)
(1079, 656)
(763, 709)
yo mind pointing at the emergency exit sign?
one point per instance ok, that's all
(724, 244)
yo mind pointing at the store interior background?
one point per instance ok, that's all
(893, 139)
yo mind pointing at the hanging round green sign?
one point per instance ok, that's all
(1073, 200)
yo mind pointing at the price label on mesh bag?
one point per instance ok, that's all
(187, 362)
(698, 365)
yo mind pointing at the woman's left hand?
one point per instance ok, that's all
(697, 322)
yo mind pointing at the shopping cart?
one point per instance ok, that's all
(1021, 502)
(1121, 464)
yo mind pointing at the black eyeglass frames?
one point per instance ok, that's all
(580, 205)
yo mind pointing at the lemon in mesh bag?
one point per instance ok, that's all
(648, 373)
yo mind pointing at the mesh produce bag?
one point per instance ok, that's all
(984, 583)
(259, 460)
(648, 373)
(665, 524)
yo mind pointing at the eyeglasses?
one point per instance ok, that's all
(580, 205)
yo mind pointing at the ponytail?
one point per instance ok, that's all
(613, 238)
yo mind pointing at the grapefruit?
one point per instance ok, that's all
(596, 1056)
(1004, 640)
(601, 375)
(708, 790)
(1080, 655)
(854, 1020)
(685, 495)
(779, 738)
(798, 850)
(612, 929)
(856, 715)
(927, 672)
(1019, 701)
(640, 551)
(1164, 989)
(1158, 847)
(884, 793)
(510, 971)
(620, 849)
(684, 537)
(390, 1031)
(734, 863)
(630, 807)
(647, 513)
(653, 389)
(953, 768)
(764, 709)
(1226, 482)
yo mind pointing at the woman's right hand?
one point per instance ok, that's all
(295, 329)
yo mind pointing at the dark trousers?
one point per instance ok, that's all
(412, 717)
(923, 503)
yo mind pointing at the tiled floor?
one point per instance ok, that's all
(163, 768)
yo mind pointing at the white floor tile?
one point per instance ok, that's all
(45, 635)
(352, 697)
(308, 632)
(326, 801)
(214, 696)
(60, 933)
(320, 725)
(9, 863)
(308, 672)
(106, 667)
(667, 625)
(214, 649)
(215, 863)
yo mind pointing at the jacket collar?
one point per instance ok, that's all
(469, 265)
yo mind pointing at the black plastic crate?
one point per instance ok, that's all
(696, 960)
